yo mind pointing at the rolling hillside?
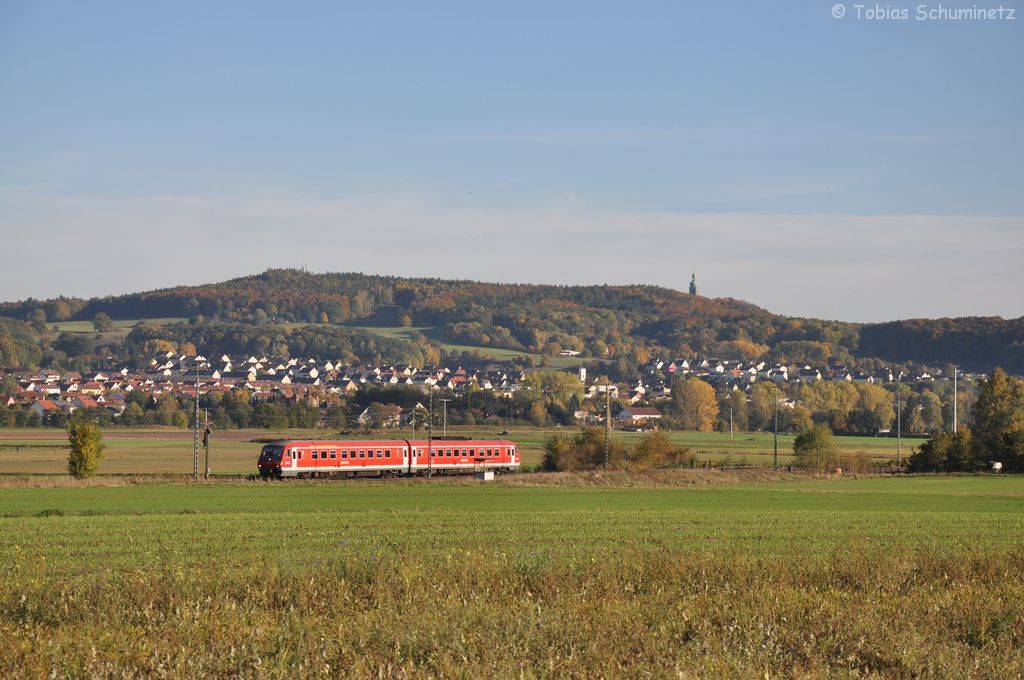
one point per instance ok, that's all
(623, 324)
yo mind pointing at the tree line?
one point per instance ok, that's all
(995, 433)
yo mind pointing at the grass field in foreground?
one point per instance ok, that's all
(234, 451)
(884, 577)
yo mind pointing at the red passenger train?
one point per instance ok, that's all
(353, 458)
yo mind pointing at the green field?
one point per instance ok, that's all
(702, 575)
(44, 451)
(121, 328)
(499, 354)
(123, 324)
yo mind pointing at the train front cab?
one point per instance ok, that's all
(270, 461)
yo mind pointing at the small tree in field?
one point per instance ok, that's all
(816, 449)
(86, 448)
(102, 322)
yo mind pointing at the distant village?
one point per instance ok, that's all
(47, 393)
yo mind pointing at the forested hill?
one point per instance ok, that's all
(976, 343)
(628, 324)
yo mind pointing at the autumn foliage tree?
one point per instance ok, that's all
(696, 404)
(816, 449)
(998, 415)
(86, 442)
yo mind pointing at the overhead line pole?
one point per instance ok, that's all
(607, 422)
(206, 442)
(195, 433)
(899, 428)
(430, 436)
(444, 426)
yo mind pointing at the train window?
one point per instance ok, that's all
(387, 453)
(314, 455)
(334, 454)
(344, 454)
(362, 454)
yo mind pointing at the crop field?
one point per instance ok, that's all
(44, 451)
(691, 574)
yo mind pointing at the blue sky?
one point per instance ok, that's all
(841, 168)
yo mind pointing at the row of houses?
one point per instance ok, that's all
(727, 370)
(46, 391)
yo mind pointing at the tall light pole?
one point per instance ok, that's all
(444, 426)
(729, 397)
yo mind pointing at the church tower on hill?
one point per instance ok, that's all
(693, 284)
